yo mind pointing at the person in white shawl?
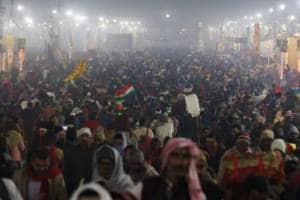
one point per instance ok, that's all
(108, 170)
(91, 191)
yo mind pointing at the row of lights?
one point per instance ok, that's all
(81, 18)
(281, 7)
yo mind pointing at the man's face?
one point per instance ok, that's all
(61, 135)
(136, 170)
(242, 146)
(211, 144)
(178, 163)
(40, 166)
(105, 168)
(118, 142)
(85, 140)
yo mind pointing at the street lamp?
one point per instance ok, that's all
(20, 8)
(271, 10)
(282, 7)
(69, 13)
(168, 16)
(28, 20)
(292, 18)
(259, 15)
(54, 12)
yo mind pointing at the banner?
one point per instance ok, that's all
(79, 70)
(10, 41)
(21, 55)
(257, 39)
(10, 57)
(21, 43)
(192, 105)
(10, 44)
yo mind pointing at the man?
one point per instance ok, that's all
(108, 171)
(78, 160)
(236, 161)
(36, 182)
(165, 129)
(179, 179)
(136, 166)
(29, 118)
(215, 152)
(257, 131)
(142, 131)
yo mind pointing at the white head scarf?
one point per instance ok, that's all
(119, 181)
(103, 194)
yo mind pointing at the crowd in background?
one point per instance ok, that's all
(71, 140)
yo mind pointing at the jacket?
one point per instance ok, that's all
(57, 188)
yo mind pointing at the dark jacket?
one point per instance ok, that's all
(158, 188)
(78, 166)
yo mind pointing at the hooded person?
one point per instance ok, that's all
(91, 191)
(108, 170)
(120, 142)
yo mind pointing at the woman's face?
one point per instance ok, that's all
(105, 168)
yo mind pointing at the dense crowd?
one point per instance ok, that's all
(73, 140)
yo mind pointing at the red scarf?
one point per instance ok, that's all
(43, 179)
(54, 169)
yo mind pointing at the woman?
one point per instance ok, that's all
(108, 170)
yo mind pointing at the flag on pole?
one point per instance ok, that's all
(79, 70)
(122, 94)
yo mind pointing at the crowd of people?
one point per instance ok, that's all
(73, 140)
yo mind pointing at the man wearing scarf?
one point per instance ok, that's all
(108, 171)
(38, 182)
(179, 179)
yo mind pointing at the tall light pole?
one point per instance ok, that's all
(2, 9)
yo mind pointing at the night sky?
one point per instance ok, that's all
(182, 10)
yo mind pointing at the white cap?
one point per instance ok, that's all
(83, 131)
(279, 144)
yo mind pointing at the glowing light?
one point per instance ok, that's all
(168, 16)
(282, 7)
(101, 19)
(292, 18)
(259, 15)
(271, 10)
(20, 8)
(54, 12)
(69, 13)
(28, 20)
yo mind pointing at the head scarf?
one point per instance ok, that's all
(119, 181)
(104, 195)
(195, 189)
